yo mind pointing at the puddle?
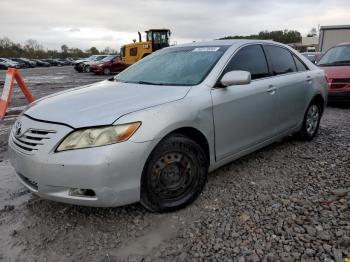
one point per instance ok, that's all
(165, 230)
(40, 79)
(11, 190)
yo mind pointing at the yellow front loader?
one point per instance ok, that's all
(156, 39)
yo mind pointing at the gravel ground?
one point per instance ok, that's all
(287, 202)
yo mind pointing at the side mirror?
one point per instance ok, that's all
(236, 78)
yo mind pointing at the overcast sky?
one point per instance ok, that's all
(101, 23)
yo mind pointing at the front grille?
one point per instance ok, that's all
(337, 83)
(341, 80)
(31, 139)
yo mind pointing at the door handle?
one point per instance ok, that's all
(309, 79)
(271, 89)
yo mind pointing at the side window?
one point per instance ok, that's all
(252, 59)
(133, 51)
(300, 66)
(281, 60)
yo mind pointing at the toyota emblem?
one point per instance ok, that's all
(18, 128)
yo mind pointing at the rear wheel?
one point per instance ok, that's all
(107, 71)
(174, 175)
(311, 122)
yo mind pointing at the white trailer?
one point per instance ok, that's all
(333, 35)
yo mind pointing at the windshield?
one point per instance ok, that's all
(108, 58)
(174, 66)
(99, 58)
(92, 58)
(122, 51)
(339, 55)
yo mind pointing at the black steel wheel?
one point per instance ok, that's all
(174, 176)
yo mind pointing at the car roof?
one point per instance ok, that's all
(342, 44)
(228, 42)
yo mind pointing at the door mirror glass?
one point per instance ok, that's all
(236, 78)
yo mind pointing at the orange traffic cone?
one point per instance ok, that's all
(11, 75)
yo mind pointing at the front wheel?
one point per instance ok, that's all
(311, 122)
(174, 175)
(86, 69)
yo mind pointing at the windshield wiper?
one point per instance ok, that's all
(149, 83)
(336, 63)
(343, 62)
(117, 80)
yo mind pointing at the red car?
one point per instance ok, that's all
(336, 64)
(108, 65)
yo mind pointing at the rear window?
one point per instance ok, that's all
(281, 60)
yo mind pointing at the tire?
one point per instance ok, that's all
(107, 71)
(174, 175)
(86, 69)
(311, 122)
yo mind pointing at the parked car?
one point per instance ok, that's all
(85, 66)
(53, 62)
(42, 63)
(108, 65)
(10, 63)
(336, 64)
(314, 57)
(153, 132)
(65, 61)
(80, 60)
(34, 62)
(25, 62)
(3, 66)
(78, 63)
(20, 63)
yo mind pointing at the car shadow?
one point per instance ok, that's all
(339, 104)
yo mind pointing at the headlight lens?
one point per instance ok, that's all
(99, 136)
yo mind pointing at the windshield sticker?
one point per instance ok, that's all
(206, 49)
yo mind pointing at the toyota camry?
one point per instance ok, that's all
(153, 132)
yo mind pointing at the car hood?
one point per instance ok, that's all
(102, 103)
(101, 63)
(92, 62)
(80, 61)
(337, 71)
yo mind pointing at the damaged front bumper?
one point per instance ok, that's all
(103, 176)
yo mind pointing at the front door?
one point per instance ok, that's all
(245, 115)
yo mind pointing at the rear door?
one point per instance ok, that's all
(292, 81)
(245, 115)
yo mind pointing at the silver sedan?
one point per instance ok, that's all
(153, 132)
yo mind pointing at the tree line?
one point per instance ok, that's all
(282, 36)
(33, 49)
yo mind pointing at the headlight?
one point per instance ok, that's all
(99, 136)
